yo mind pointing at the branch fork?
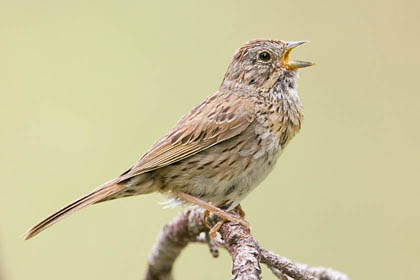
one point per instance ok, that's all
(246, 253)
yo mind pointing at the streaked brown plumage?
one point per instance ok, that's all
(225, 146)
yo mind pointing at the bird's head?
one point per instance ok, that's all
(260, 63)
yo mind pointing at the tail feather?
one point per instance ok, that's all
(100, 193)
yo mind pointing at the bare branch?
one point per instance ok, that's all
(245, 251)
(284, 265)
(323, 273)
(174, 237)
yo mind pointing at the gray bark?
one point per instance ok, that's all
(245, 251)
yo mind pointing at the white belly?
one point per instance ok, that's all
(248, 181)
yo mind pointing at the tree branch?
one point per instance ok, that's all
(245, 251)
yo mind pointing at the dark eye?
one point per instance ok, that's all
(264, 56)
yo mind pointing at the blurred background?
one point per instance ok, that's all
(86, 87)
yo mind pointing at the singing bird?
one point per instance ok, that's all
(224, 147)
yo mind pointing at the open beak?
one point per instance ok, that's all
(293, 64)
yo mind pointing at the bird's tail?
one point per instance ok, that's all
(98, 194)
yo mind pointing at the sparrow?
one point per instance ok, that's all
(224, 147)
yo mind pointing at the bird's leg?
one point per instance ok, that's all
(214, 230)
(206, 215)
(240, 211)
(225, 216)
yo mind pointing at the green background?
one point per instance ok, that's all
(86, 87)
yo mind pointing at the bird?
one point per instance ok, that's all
(224, 147)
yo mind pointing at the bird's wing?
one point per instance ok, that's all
(219, 117)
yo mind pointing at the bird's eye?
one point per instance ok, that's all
(264, 56)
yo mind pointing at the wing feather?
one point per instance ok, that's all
(219, 117)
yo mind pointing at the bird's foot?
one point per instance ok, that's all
(240, 211)
(225, 216)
